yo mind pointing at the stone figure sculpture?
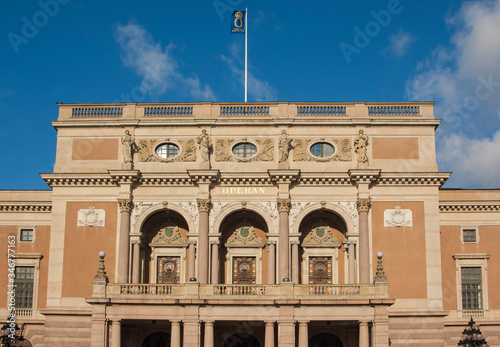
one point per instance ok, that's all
(361, 144)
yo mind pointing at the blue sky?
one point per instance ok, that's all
(77, 51)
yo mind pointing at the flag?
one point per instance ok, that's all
(238, 22)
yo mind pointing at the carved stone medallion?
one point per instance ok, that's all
(169, 235)
(91, 217)
(320, 234)
(244, 235)
(398, 217)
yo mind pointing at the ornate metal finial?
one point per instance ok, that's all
(100, 276)
(380, 276)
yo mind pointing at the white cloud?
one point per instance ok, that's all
(258, 89)
(464, 80)
(475, 162)
(401, 43)
(155, 64)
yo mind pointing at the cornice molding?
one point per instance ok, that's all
(174, 179)
(469, 206)
(284, 176)
(60, 180)
(26, 207)
(204, 176)
(413, 178)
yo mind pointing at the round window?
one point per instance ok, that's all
(167, 150)
(244, 150)
(322, 149)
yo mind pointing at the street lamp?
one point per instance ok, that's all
(11, 334)
(472, 336)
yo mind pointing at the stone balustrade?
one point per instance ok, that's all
(210, 110)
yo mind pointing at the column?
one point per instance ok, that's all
(303, 335)
(269, 334)
(284, 209)
(136, 250)
(192, 260)
(351, 253)
(116, 331)
(364, 339)
(271, 264)
(175, 334)
(215, 262)
(203, 209)
(295, 262)
(209, 334)
(124, 243)
(191, 336)
(364, 206)
(286, 334)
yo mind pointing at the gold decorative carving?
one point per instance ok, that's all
(320, 234)
(169, 235)
(165, 204)
(146, 152)
(301, 152)
(244, 235)
(125, 205)
(243, 204)
(364, 205)
(204, 205)
(284, 205)
(223, 151)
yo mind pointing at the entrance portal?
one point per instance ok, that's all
(325, 340)
(242, 340)
(157, 340)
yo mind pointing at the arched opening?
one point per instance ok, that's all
(164, 252)
(157, 340)
(322, 236)
(242, 340)
(325, 340)
(243, 255)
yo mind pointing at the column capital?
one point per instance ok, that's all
(215, 242)
(295, 243)
(136, 241)
(364, 205)
(125, 205)
(269, 243)
(284, 205)
(204, 205)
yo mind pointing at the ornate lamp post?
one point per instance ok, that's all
(472, 336)
(11, 335)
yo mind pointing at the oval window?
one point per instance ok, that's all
(322, 149)
(244, 150)
(167, 150)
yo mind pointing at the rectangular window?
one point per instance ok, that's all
(26, 235)
(471, 288)
(469, 235)
(25, 276)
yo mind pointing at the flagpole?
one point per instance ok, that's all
(246, 54)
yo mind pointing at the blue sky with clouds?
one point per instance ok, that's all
(77, 51)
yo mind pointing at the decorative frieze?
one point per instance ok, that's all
(270, 208)
(223, 149)
(301, 151)
(364, 205)
(469, 207)
(147, 148)
(27, 207)
(398, 217)
(91, 217)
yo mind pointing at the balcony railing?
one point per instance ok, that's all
(209, 110)
(234, 291)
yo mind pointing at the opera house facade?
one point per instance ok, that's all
(249, 224)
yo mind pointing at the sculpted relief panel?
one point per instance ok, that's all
(301, 152)
(223, 149)
(147, 148)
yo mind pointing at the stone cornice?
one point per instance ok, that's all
(245, 179)
(174, 179)
(125, 176)
(204, 176)
(45, 206)
(79, 179)
(284, 176)
(469, 206)
(413, 178)
(310, 178)
(367, 176)
(471, 256)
